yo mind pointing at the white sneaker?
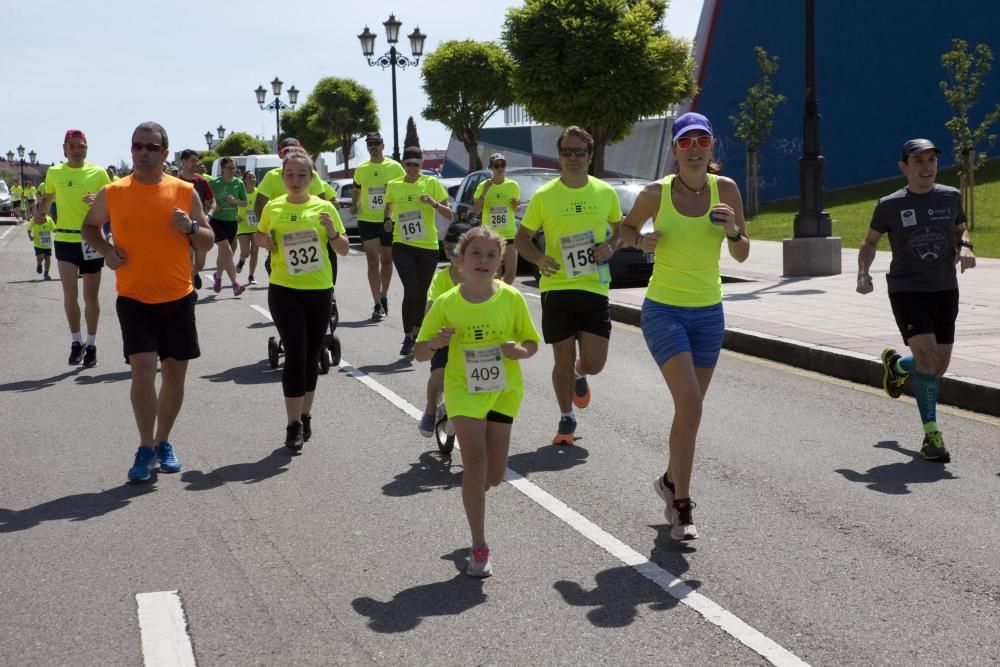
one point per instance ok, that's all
(479, 562)
(683, 521)
(663, 491)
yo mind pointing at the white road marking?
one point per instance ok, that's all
(4, 235)
(165, 641)
(669, 582)
(263, 311)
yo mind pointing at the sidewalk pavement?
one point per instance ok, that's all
(822, 324)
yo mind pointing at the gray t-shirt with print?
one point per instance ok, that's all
(921, 230)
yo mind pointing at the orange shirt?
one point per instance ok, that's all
(157, 266)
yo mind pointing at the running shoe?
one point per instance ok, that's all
(76, 354)
(250, 280)
(667, 493)
(426, 427)
(196, 280)
(293, 436)
(239, 265)
(217, 284)
(166, 458)
(682, 520)
(892, 379)
(479, 562)
(145, 461)
(307, 427)
(47, 276)
(378, 314)
(238, 289)
(564, 435)
(581, 392)
(90, 356)
(407, 348)
(38, 269)
(384, 302)
(933, 448)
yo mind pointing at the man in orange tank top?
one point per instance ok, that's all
(154, 226)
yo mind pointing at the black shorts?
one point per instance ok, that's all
(499, 417)
(72, 252)
(43, 251)
(926, 312)
(374, 230)
(165, 328)
(568, 312)
(440, 358)
(225, 230)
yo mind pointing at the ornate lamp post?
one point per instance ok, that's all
(276, 105)
(210, 139)
(391, 60)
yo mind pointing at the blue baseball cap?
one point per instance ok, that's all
(690, 121)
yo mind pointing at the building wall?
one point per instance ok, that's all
(878, 71)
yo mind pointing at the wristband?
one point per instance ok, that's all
(965, 244)
(863, 274)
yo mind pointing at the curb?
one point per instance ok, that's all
(961, 392)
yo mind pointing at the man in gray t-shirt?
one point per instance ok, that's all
(927, 235)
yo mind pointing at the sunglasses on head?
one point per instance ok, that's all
(152, 148)
(573, 152)
(704, 141)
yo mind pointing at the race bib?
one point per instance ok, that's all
(89, 252)
(376, 198)
(578, 253)
(303, 253)
(484, 369)
(411, 225)
(498, 216)
(251, 219)
(45, 238)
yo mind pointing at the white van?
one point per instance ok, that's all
(261, 164)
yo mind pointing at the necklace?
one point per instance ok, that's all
(698, 191)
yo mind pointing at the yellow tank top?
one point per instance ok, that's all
(686, 269)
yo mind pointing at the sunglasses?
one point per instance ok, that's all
(704, 141)
(152, 148)
(574, 152)
(374, 143)
(499, 165)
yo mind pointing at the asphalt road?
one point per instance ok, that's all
(825, 538)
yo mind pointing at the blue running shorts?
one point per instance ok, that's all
(670, 330)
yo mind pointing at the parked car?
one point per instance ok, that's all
(343, 187)
(451, 186)
(6, 207)
(629, 266)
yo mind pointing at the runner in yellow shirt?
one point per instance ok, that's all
(245, 232)
(575, 212)
(497, 199)
(486, 325)
(41, 237)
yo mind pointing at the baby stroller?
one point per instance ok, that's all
(329, 352)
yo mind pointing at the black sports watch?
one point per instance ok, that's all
(194, 227)
(965, 244)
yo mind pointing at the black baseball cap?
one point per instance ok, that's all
(455, 231)
(373, 138)
(411, 153)
(917, 146)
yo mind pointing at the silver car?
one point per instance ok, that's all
(343, 187)
(6, 207)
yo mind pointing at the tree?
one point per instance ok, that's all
(754, 121)
(965, 72)
(411, 138)
(337, 114)
(466, 83)
(600, 64)
(241, 143)
(207, 158)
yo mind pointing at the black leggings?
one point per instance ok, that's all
(415, 267)
(302, 318)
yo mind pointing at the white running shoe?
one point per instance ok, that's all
(663, 491)
(479, 562)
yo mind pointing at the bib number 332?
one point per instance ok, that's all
(303, 253)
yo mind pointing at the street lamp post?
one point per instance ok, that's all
(210, 139)
(276, 105)
(391, 60)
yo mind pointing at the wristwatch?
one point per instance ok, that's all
(739, 233)
(194, 227)
(965, 244)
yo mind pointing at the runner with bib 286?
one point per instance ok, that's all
(574, 211)
(496, 199)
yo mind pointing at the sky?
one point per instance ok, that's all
(193, 67)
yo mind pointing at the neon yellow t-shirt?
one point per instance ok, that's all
(300, 259)
(371, 179)
(413, 221)
(440, 283)
(272, 187)
(686, 268)
(497, 210)
(70, 186)
(480, 328)
(41, 235)
(574, 221)
(32, 193)
(15, 193)
(246, 217)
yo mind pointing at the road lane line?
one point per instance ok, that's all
(263, 311)
(4, 235)
(165, 641)
(669, 582)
